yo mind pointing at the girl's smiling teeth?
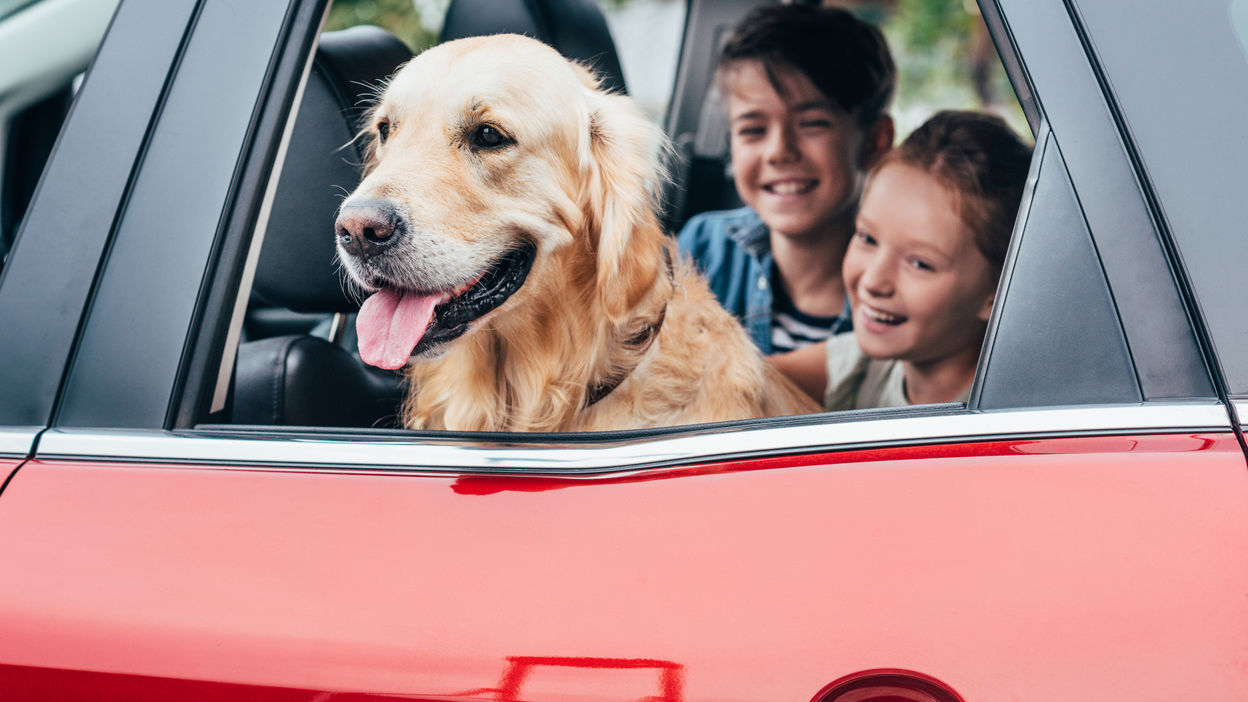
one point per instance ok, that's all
(790, 187)
(881, 316)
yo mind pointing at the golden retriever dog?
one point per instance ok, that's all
(507, 236)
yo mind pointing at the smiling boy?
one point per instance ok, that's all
(806, 91)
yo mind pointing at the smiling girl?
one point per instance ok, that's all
(922, 267)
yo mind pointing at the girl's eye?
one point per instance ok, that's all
(864, 238)
(487, 136)
(383, 131)
(751, 131)
(922, 265)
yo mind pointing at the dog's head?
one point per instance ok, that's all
(500, 174)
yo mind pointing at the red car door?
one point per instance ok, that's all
(1041, 568)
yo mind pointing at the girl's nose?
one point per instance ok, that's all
(782, 147)
(877, 278)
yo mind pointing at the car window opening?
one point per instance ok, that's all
(306, 324)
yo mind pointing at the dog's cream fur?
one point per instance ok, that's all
(579, 181)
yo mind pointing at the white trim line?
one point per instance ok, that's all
(17, 442)
(712, 444)
(1241, 411)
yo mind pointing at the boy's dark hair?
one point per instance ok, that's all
(846, 58)
(982, 161)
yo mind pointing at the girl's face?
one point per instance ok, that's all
(920, 288)
(796, 158)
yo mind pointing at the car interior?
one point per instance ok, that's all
(296, 363)
(296, 366)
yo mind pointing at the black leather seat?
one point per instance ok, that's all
(575, 28)
(301, 378)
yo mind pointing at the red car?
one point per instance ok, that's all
(201, 501)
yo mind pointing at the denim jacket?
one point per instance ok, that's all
(732, 248)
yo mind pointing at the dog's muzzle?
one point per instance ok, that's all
(397, 322)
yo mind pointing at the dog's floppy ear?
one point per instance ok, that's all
(621, 156)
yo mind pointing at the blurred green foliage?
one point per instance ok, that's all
(930, 22)
(399, 16)
(945, 59)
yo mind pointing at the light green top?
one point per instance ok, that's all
(857, 381)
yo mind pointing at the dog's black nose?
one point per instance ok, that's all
(368, 228)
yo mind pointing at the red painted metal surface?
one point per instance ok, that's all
(7, 466)
(1085, 568)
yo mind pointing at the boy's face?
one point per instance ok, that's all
(797, 159)
(920, 288)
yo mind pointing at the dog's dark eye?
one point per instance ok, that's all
(487, 136)
(383, 131)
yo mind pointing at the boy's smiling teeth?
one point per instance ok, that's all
(790, 187)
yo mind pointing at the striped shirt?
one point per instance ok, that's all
(792, 328)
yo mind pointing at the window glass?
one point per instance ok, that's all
(44, 48)
(1239, 22)
(955, 68)
(647, 35)
(1179, 72)
(416, 22)
(945, 59)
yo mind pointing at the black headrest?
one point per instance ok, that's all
(575, 28)
(323, 163)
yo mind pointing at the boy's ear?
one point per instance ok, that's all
(877, 140)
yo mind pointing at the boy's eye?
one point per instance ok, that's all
(815, 124)
(751, 131)
(921, 264)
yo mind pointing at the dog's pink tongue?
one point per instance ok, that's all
(390, 325)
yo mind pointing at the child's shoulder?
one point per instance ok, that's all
(847, 365)
(720, 229)
(721, 223)
(857, 381)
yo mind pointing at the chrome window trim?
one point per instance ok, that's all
(17, 442)
(1241, 411)
(424, 454)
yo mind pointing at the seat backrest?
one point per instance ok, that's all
(324, 162)
(696, 121)
(301, 379)
(575, 28)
